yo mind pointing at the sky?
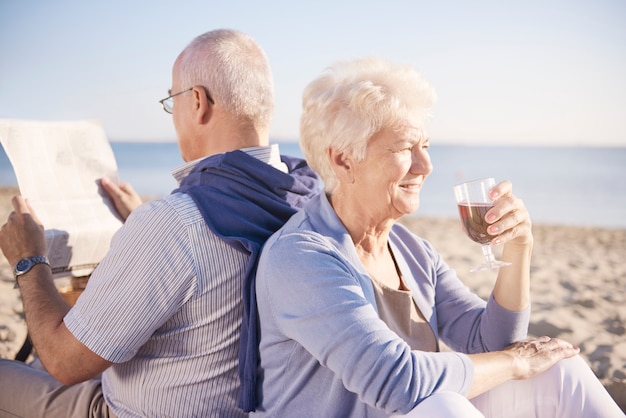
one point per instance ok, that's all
(537, 72)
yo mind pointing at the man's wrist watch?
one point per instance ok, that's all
(25, 264)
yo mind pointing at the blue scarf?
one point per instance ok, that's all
(243, 201)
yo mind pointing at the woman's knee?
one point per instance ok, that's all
(568, 373)
(444, 405)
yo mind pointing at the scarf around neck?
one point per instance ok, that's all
(244, 200)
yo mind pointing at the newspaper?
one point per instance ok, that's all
(58, 165)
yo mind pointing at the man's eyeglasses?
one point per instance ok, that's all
(168, 102)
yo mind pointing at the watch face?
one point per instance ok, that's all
(23, 264)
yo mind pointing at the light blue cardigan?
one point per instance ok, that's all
(325, 352)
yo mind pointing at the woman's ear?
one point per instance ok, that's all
(201, 105)
(342, 165)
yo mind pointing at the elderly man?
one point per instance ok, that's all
(161, 318)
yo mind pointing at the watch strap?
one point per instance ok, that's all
(26, 264)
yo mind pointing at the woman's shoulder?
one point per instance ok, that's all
(297, 232)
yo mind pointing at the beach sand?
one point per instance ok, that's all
(578, 280)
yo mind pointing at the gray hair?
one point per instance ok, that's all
(353, 100)
(235, 71)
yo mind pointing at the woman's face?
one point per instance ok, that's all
(390, 178)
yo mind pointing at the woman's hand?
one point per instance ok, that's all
(520, 360)
(509, 218)
(124, 197)
(536, 355)
(23, 234)
(511, 225)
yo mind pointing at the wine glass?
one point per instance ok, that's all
(472, 199)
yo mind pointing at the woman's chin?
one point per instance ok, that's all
(407, 209)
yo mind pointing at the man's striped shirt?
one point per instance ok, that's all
(165, 307)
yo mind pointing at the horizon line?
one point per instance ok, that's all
(438, 143)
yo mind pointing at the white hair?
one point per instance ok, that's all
(353, 100)
(235, 71)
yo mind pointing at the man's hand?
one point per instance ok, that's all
(65, 358)
(23, 234)
(123, 196)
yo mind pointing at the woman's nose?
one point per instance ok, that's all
(421, 163)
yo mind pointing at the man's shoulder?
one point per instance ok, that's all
(176, 206)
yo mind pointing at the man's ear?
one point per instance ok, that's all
(201, 105)
(342, 165)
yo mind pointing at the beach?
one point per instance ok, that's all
(578, 280)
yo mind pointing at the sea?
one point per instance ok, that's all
(580, 186)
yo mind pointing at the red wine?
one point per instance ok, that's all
(473, 220)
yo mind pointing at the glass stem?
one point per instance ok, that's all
(488, 254)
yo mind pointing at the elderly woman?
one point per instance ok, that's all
(352, 306)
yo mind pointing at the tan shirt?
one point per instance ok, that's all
(399, 311)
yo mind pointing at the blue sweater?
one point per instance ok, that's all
(324, 350)
(243, 201)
